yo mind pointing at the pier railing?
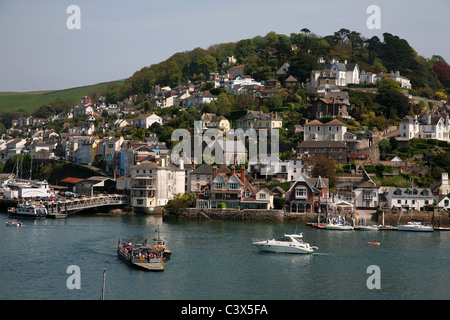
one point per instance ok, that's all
(67, 205)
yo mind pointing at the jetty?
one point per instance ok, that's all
(60, 209)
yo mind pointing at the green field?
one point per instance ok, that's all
(30, 101)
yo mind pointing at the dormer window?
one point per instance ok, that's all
(300, 192)
(247, 193)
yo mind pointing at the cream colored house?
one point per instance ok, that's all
(153, 184)
(212, 121)
(330, 131)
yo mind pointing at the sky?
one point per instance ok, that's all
(116, 38)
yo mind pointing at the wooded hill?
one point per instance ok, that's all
(264, 55)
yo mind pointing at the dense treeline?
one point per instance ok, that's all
(264, 55)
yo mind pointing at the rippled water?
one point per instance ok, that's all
(216, 261)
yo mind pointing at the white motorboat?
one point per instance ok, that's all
(415, 226)
(11, 223)
(290, 243)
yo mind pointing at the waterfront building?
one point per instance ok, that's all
(153, 184)
(199, 178)
(408, 198)
(308, 195)
(233, 190)
(366, 193)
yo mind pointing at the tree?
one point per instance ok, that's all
(244, 48)
(394, 104)
(442, 70)
(385, 148)
(323, 167)
(388, 84)
(180, 202)
(208, 64)
(305, 30)
(302, 64)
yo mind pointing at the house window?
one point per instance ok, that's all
(218, 186)
(247, 193)
(262, 195)
(233, 186)
(300, 192)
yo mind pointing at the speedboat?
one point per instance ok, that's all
(11, 223)
(415, 226)
(290, 243)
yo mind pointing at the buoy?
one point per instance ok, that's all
(374, 243)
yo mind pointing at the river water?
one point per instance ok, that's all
(216, 261)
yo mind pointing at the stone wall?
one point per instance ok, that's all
(249, 215)
(431, 217)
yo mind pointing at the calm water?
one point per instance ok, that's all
(216, 261)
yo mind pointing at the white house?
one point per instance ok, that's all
(367, 78)
(146, 120)
(241, 81)
(373, 78)
(406, 198)
(345, 72)
(14, 147)
(429, 127)
(154, 184)
(366, 194)
(444, 202)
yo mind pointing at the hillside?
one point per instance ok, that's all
(31, 101)
(262, 57)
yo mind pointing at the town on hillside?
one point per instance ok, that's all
(333, 151)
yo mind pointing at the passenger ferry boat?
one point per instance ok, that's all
(140, 256)
(25, 209)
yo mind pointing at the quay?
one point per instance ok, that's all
(60, 209)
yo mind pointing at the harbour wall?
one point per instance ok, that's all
(250, 215)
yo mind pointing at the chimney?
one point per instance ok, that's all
(181, 163)
(214, 172)
(233, 170)
(242, 174)
(444, 179)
